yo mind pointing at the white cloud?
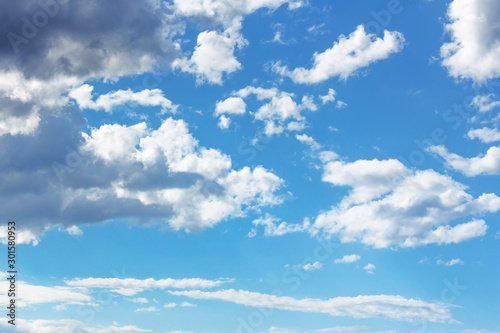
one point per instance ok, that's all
(340, 105)
(347, 259)
(485, 103)
(231, 105)
(224, 122)
(187, 304)
(312, 266)
(488, 164)
(74, 231)
(330, 97)
(346, 56)
(394, 307)
(281, 113)
(474, 50)
(170, 305)
(308, 141)
(72, 52)
(450, 263)
(14, 125)
(369, 179)
(391, 205)
(342, 329)
(60, 307)
(63, 326)
(130, 287)
(369, 268)
(140, 300)
(225, 12)
(273, 226)
(83, 96)
(148, 309)
(157, 175)
(486, 135)
(33, 294)
(212, 57)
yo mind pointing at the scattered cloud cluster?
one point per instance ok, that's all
(347, 259)
(281, 113)
(390, 204)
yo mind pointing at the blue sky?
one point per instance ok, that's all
(271, 166)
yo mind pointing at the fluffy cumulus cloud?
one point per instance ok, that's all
(225, 12)
(214, 55)
(345, 57)
(488, 164)
(389, 204)
(280, 113)
(485, 134)
(131, 172)
(474, 50)
(387, 306)
(63, 326)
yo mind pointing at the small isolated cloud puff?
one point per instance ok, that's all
(312, 266)
(347, 259)
(452, 262)
(474, 50)
(346, 56)
(308, 141)
(369, 268)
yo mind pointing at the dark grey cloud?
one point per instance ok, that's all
(39, 37)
